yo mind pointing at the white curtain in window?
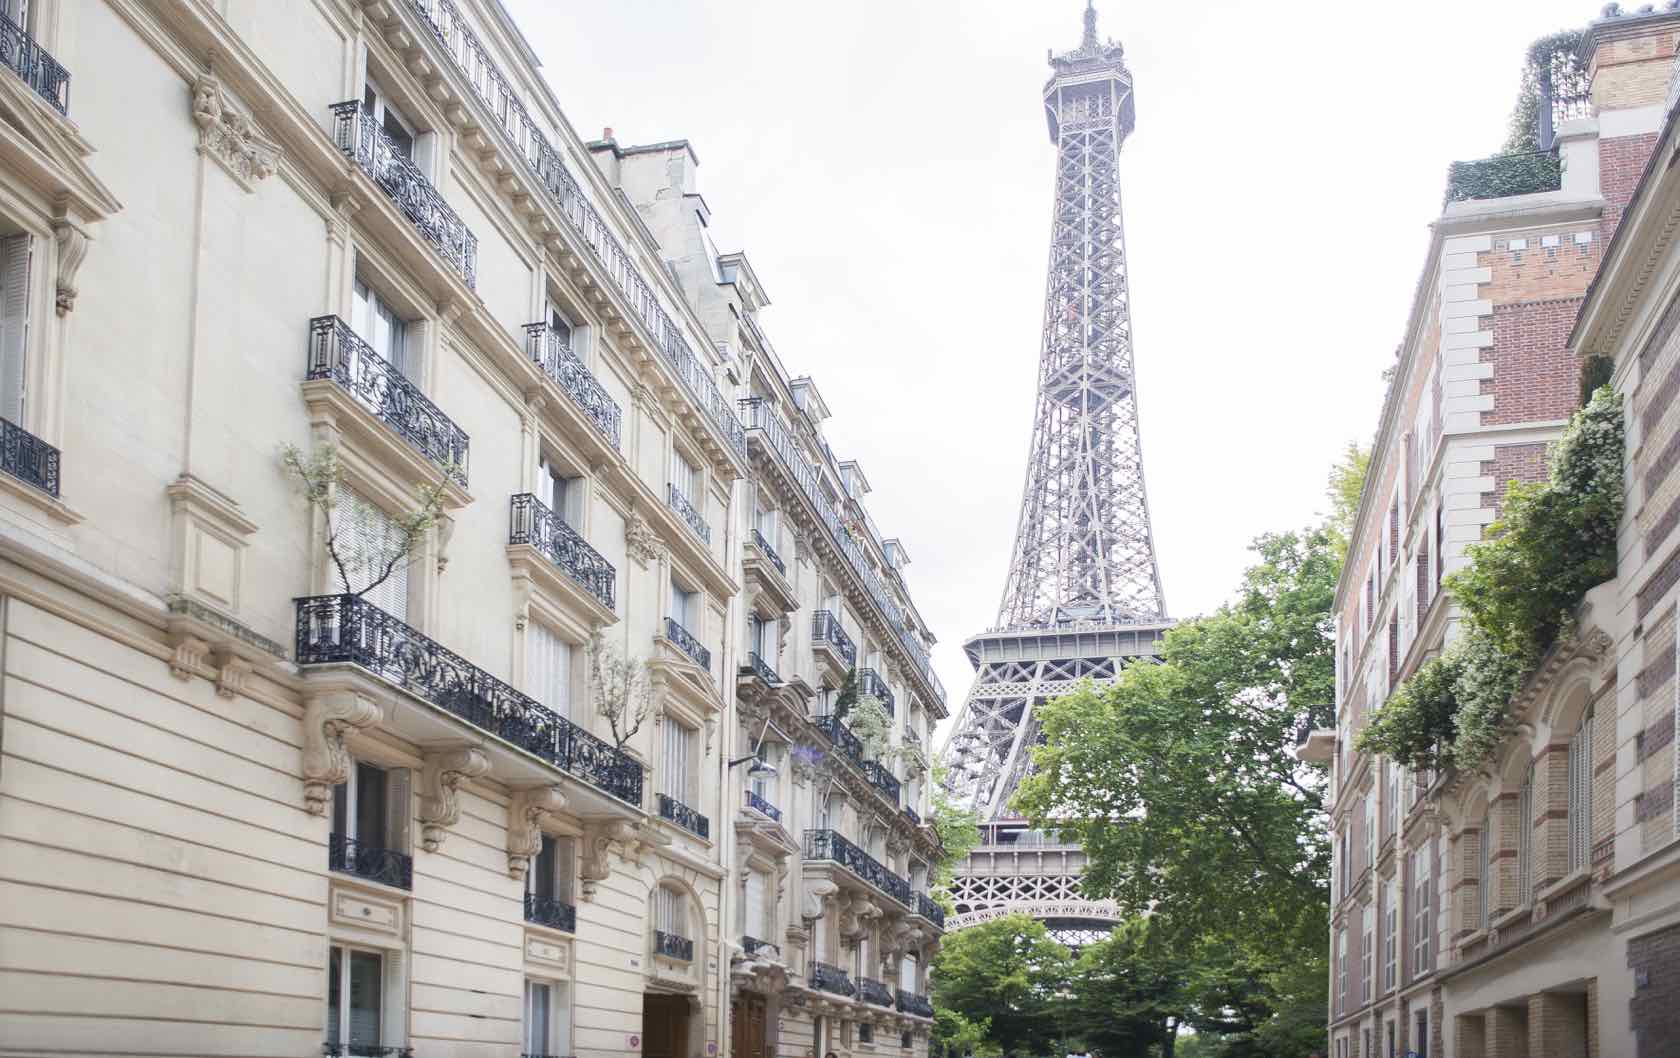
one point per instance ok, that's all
(676, 761)
(548, 663)
(369, 538)
(538, 1007)
(668, 913)
(1580, 794)
(380, 326)
(757, 906)
(14, 323)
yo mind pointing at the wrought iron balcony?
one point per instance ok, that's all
(841, 736)
(336, 353)
(882, 779)
(760, 668)
(688, 644)
(870, 683)
(830, 845)
(549, 352)
(873, 991)
(752, 946)
(28, 458)
(673, 946)
(547, 911)
(531, 522)
(929, 909)
(364, 1050)
(825, 629)
(39, 70)
(346, 629)
(831, 979)
(769, 552)
(759, 804)
(346, 855)
(680, 504)
(684, 816)
(359, 136)
(911, 1003)
(913, 815)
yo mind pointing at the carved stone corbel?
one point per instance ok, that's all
(595, 858)
(326, 763)
(189, 657)
(818, 892)
(443, 530)
(231, 670)
(642, 543)
(526, 813)
(72, 249)
(229, 137)
(440, 785)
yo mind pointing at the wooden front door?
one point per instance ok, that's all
(664, 1026)
(749, 1017)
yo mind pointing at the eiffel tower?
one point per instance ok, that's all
(1083, 596)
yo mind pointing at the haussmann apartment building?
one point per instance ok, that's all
(319, 758)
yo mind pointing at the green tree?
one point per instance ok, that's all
(1347, 480)
(1008, 970)
(955, 1034)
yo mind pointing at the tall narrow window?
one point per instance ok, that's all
(676, 763)
(756, 922)
(14, 323)
(1371, 829)
(1391, 771)
(549, 667)
(355, 998)
(389, 119)
(669, 915)
(682, 606)
(1368, 954)
(539, 1017)
(1525, 840)
(764, 780)
(1440, 544)
(550, 876)
(1341, 968)
(371, 807)
(1580, 794)
(1391, 934)
(1421, 924)
(559, 491)
(379, 324)
(1484, 870)
(560, 326)
(686, 477)
(372, 543)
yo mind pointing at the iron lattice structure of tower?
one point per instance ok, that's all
(1083, 596)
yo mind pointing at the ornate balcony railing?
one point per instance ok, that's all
(911, 1003)
(825, 628)
(558, 362)
(914, 816)
(831, 979)
(841, 736)
(685, 641)
(882, 779)
(769, 552)
(346, 855)
(830, 845)
(364, 1050)
(752, 946)
(759, 804)
(359, 136)
(673, 946)
(531, 522)
(760, 668)
(345, 629)
(929, 909)
(28, 458)
(683, 507)
(336, 353)
(760, 416)
(39, 70)
(530, 142)
(873, 991)
(871, 683)
(683, 816)
(550, 912)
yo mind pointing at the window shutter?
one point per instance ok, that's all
(370, 539)
(397, 809)
(565, 868)
(755, 924)
(14, 323)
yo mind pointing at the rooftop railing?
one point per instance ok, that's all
(39, 70)
(551, 353)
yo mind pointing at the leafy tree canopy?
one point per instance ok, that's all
(1010, 971)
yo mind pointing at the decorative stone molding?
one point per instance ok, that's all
(190, 654)
(326, 763)
(642, 542)
(816, 895)
(72, 249)
(231, 670)
(228, 136)
(440, 785)
(526, 813)
(595, 853)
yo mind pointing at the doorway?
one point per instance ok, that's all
(749, 1026)
(664, 1026)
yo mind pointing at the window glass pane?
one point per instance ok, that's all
(370, 805)
(542, 879)
(365, 986)
(550, 668)
(335, 986)
(537, 1006)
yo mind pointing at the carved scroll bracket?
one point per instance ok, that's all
(440, 785)
(327, 719)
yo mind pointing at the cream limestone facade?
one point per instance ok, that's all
(254, 801)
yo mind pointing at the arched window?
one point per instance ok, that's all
(1580, 793)
(1525, 839)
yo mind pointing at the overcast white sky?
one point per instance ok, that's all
(886, 167)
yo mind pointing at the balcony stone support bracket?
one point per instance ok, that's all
(631, 840)
(642, 541)
(440, 784)
(818, 893)
(327, 719)
(526, 814)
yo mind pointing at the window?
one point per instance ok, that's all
(548, 667)
(677, 762)
(560, 492)
(1420, 1040)
(355, 998)
(1392, 771)
(1367, 953)
(1341, 967)
(1391, 935)
(1484, 869)
(371, 807)
(909, 973)
(756, 637)
(683, 605)
(1420, 912)
(1580, 794)
(764, 520)
(669, 913)
(389, 119)
(14, 323)
(380, 325)
(686, 477)
(546, 1028)
(550, 876)
(866, 1032)
(1525, 840)
(559, 326)
(372, 545)
(1371, 829)
(1440, 545)
(757, 905)
(18, 12)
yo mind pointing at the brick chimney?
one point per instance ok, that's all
(1629, 56)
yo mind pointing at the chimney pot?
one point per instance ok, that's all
(606, 133)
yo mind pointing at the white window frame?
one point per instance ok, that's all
(1368, 953)
(375, 536)
(670, 911)
(381, 324)
(555, 997)
(1391, 935)
(679, 761)
(1580, 793)
(562, 864)
(394, 828)
(386, 111)
(1422, 880)
(550, 666)
(390, 993)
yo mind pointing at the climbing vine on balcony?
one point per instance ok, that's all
(1553, 542)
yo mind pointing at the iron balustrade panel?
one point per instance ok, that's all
(871, 683)
(912, 815)
(39, 70)
(841, 736)
(364, 1050)
(336, 352)
(831, 845)
(531, 522)
(684, 816)
(28, 458)
(346, 629)
(929, 909)
(769, 552)
(685, 641)
(673, 946)
(530, 142)
(825, 628)
(911, 1003)
(346, 855)
(683, 507)
(760, 668)
(882, 779)
(831, 979)
(873, 991)
(559, 363)
(548, 911)
(759, 804)
(752, 946)
(359, 136)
